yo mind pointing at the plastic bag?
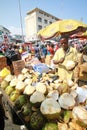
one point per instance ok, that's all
(4, 72)
(41, 68)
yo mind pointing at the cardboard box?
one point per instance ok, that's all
(18, 66)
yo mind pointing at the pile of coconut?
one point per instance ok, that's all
(61, 101)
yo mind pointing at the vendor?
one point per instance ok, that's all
(62, 55)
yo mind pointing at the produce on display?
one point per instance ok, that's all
(9, 77)
(80, 115)
(4, 84)
(50, 126)
(45, 103)
(20, 86)
(29, 90)
(26, 110)
(20, 101)
(14, 95)
(14, 81)
(37, 97)
(37, 120)
(50, 108)
(67, 101)
(9, 89)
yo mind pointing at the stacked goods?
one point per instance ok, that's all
(3, 62)
(18, 66)
(45, 103)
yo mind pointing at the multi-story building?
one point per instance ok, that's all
(4, 33)
(35, 20)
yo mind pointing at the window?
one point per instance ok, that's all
(45, 21)
(39, 27)
(39, 19)
(50, 22)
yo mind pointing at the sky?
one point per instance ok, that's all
(13, 17)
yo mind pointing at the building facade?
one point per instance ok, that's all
(4, 34)
(35, 20)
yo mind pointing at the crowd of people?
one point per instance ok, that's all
(40, 50)
(60, 52)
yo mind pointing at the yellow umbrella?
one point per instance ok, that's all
(61, 27)
(84, 34)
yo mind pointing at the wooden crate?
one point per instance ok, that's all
(3, 62)
(18, 66)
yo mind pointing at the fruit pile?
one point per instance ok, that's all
(47, 102)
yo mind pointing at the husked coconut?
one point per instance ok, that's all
(50, 108)
(74, 86)
(29, 90)
(28, 81)
(53, 94)
(20, 86)
(62, 126)
(27, 75)
(37, 97)
(66, 101)
(41, 87)
(80, 114)
(14, 81)
(49, 88)
(24, 70)
(73, 93)
(21, 77)
(74, 126)
(70, 65)
(9, 77)
(70, 82)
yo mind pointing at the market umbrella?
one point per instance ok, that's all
(62, 27)
(84, 34)
(79, 35)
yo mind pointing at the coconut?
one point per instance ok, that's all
(29, 90)
(53, 94)
(70, 65)
(20, 86)
(50, 108)
(37, 97)
(66, 101)
(80, 114)
(21, 77)
(14, 81)
(41, 87)
(9, 77)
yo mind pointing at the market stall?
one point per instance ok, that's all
(43, 101)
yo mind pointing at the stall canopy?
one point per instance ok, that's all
(80, 35)
(62, 27)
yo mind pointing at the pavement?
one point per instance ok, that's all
(9, 125)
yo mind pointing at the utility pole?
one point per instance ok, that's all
(21, 20)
